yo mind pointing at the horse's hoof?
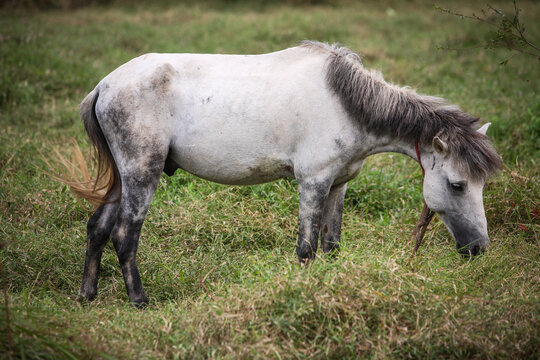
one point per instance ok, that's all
(333, 253)
(331, 249)
(84, 298)
(140, 303)
(305, 262)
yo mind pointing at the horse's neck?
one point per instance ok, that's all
(385, 144)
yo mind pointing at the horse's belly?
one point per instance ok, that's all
(228, 167)
(221, 143)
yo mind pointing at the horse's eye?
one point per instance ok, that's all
(456, 187)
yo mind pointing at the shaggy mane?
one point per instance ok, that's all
(400, 112)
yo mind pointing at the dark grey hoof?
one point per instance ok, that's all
(331, 248)
(83, 298)
(305, 254)
(332, 253)
(140, 303)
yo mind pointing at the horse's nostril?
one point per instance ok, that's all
(477, 249)
(471, 250)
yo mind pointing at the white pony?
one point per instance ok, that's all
(311, 112)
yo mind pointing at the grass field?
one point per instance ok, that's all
(219, 263)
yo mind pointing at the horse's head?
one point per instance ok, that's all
(456, 196)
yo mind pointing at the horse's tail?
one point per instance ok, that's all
(108, 178)
(107, 182)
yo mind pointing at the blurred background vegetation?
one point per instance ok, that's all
(74, 4)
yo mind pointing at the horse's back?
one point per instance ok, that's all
(237, 119)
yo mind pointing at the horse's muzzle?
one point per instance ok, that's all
(471, 239)
(472, 249)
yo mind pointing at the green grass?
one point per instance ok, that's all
(219, 263)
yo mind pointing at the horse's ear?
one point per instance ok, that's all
(483, 129)
(439, 145)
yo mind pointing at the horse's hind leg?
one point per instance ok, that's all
(138, 187)
(98, 229)
(331, 219)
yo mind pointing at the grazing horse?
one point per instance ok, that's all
(310, 112)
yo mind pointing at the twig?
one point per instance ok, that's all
(421, 227)
(509, 34)
(203, 285)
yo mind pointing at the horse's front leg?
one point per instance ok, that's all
(331, 219)
(313, 195)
